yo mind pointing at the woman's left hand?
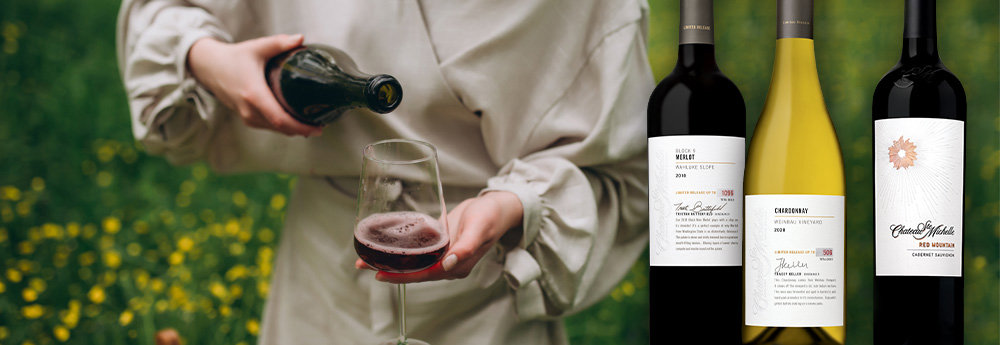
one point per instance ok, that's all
(475, 226)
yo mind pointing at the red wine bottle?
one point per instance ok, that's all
(696, 136)
(918, 112)
(316, 84)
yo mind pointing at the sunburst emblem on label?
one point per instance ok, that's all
(902, 153)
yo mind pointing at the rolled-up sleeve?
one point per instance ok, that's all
(172, 115)
(581, 178)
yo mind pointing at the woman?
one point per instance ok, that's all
(536, 108)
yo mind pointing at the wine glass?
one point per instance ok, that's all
(401, 224)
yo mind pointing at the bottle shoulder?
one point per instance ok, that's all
(696, 103)
(919, 90)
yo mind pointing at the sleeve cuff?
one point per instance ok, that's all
(531, 204)
(188, 39)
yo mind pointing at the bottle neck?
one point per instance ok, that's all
(383, 93)
(696, 57)
(920, 32)
(696, 26)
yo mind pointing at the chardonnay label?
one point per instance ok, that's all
(795, 260)
(918, 197)
(696, 200)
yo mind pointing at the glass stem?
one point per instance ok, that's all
(401, 290)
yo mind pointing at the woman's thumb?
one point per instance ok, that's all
(270, 46)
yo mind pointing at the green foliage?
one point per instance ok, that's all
(98, 241)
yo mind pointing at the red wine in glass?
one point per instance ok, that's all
(400, 242)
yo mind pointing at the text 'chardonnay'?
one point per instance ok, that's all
(794, 244)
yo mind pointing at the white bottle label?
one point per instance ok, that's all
(794, 260)
(918, 197)
(696, 200)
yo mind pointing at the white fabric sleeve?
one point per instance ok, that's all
(172, 115)
(581, 179)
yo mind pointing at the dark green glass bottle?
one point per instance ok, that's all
(316, 84)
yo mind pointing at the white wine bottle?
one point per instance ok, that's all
(794, 182)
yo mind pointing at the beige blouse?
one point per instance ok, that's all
(542, 98)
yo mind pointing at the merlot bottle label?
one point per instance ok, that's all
(794, 260)
(918, 197)
(695, 200)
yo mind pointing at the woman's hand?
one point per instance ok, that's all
(474, 225)
(234, 73)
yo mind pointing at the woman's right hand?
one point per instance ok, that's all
(234, 73)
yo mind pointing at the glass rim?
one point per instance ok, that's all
(369, 154)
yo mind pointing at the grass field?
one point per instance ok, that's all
(101, 243)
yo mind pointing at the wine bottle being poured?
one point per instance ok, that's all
(316, 84)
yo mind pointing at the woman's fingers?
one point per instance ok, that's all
(362, 265)
(270, 46)
(263, 100)
(431, 273)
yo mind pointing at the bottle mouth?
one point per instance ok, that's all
(384, 93)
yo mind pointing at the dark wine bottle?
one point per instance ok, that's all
(696, 137)
(918, 115)
(316, 84)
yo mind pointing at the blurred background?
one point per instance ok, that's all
(101, 243)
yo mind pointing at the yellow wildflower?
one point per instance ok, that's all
(239, 199)
(265, 235)
(218, 290)
(188, 187)
(13, 275)
(37, 184)
(50, 230)
(199, 172)
(38, 284)
(4, 332)
(253, 327)
(111, 225)
(278, 202)
(125, 318)
(235, 291)
(225, 310)
(105, 153)
(112, 259)
(236, 272)
(161, 305)
(87, 258)
(33, 311)
(96, 294)
(141, 278)
(23, 208)
(262, 288)
(89, 230)
(156, 284)
(628, 288)
(25, 248)
(133, 249)
(29, 295)
(176, 258)
(73, 229)
(104, 178)
(232, 227)
(185, 244)
(141, 227)
(61, 333)
(236, 249)
(2, 287)
(10, 193)
(182, 201)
